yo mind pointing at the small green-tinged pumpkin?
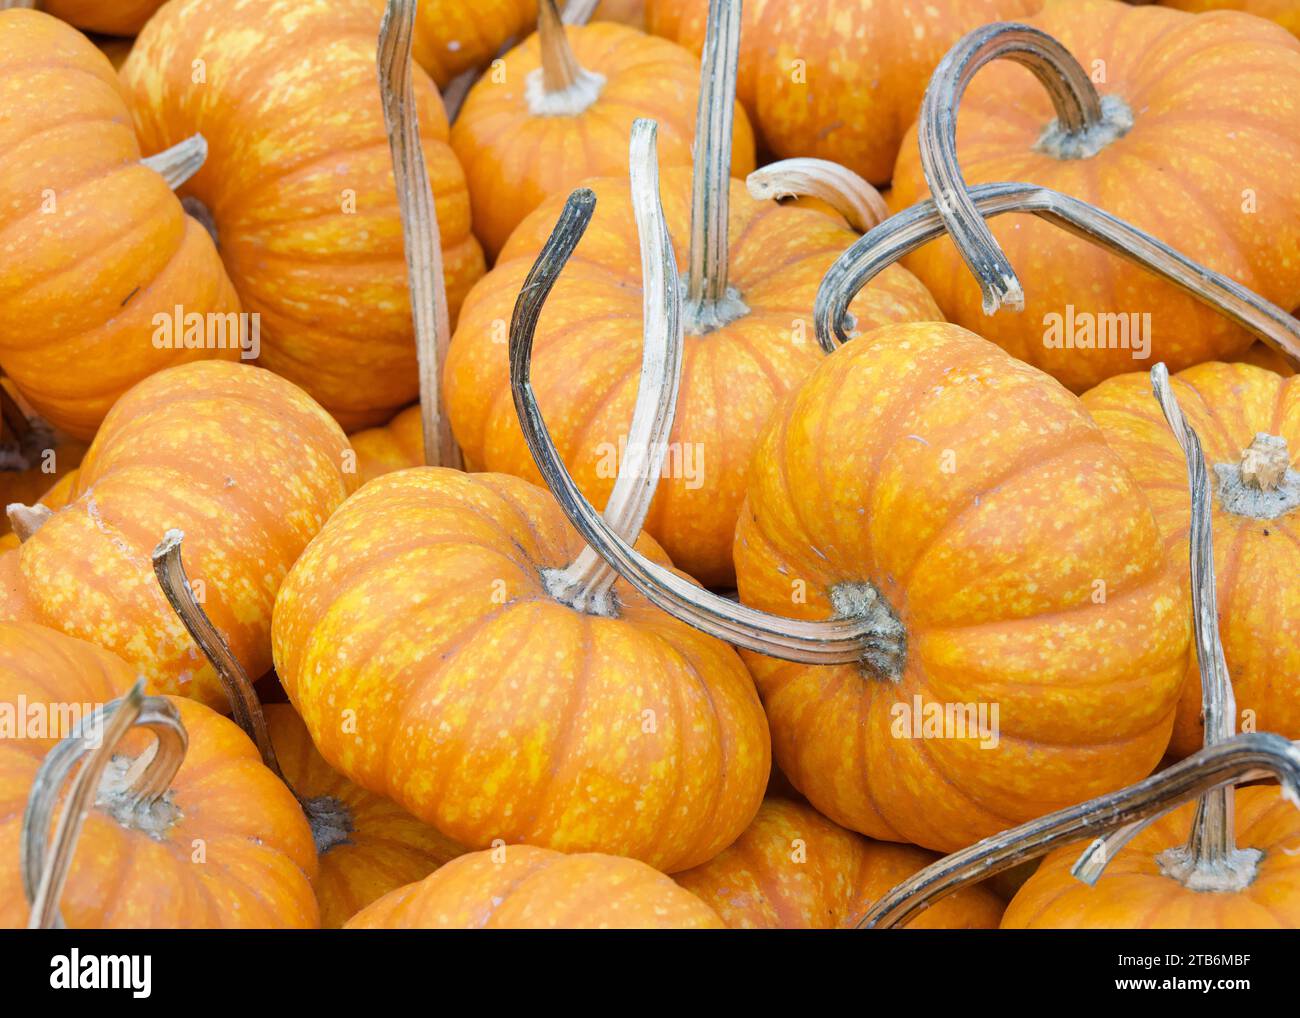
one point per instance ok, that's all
(523, 887)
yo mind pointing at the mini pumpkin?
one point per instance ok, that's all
(397, 445)
(96, 246)
(557, 109)
(225, 845)
(794, 869)
(1263, 356)
(241, 460)
(523, 887)
(1285, 12)
(1149, 146)
(121, 17)
(306, 218)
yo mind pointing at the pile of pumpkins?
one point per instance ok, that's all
(409, 692)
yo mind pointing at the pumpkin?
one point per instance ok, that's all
(242, 461)
(837, 79)
(452, 37)
(794, 869)
(33, 457)
(749, 340)
(299, 185)
(121, 17)
(1263, 356)
(523, 887)
(135, 867)
(1285, 12)
(96, 246)
(397, 445)
(115, 49)
(556, 110)
(1249, 422)
(1153, 147)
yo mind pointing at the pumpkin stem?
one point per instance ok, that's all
(587, 583)
(923, 222)
(848, 194)
(710, 302)
(27, 519)
(1262, 486)
(180, 162)
(1243, 758)
(136, 795)
(429, 309)
(1085, 124)
(579, 12)
(561, 87)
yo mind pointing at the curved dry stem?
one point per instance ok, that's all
(180, 162)
(710, 302)
(579, 12)
(26, 520)
(1243, 758)
(921, 223)
(18, 5)
(561, 87)
(843, 190)
(1084, 125)
(44, 865)
(836, 641)
(588, 582)
(429, 309)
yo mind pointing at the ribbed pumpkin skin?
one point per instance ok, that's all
(452, 36)
(417, 642)
(120, 17)
(587, 356)
(865, 67)
(290, 109)
(257, 850)
(978, 498)
(1285, 12)
(386, 848)
(81, 281)
(1263, 357)
(514, 159)
(1134, 894)
(1256, 562)
(793, 869)
(241, 461)
(534, 888)
(397, 445)
(1216, 102)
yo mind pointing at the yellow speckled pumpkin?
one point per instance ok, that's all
(837, 79)
(94, 244)
(422, 646)
(299, 184)
(134, 869)
(1255, 521)
(243, 462)
(1264, 356)
(1285, 12)
(1201, 112)
(964, 504)
(397, 445)
(521, 887)
(554, 112)
(794, 869)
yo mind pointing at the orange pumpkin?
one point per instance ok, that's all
(397, 445)
(837, 79)
(794, 869)
(136, 868)
(121, 17)
(1256, 522)
(1158, 147)
(557, 109)
(238, 458)
(521, 887)
(1263, 356)
(452, 36)
(1285, 12)
(306, 218)
(96, 245)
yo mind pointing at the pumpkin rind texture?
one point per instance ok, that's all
(514, 158)
(120, 17)
(93, 245)
(587, 356)
(977, 497)
(397, 445)
(241, 461)
(794, 869)
(256, 859)
(1285, 12)
(1256, 561)
(419, 645)
(1133, 894)
(837, 79)
(522, 887)
(299, 183)
(1216, 128)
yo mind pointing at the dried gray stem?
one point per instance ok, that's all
(561, 87)
(26, 520)
(843, 190)
(579, 12)
(180, 162)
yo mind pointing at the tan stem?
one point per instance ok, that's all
(179, 163)
(843, 190)
(561, 87)
(26, 520)
(18, 5)
(424, 269)
(1265, 461)
(579, 12)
